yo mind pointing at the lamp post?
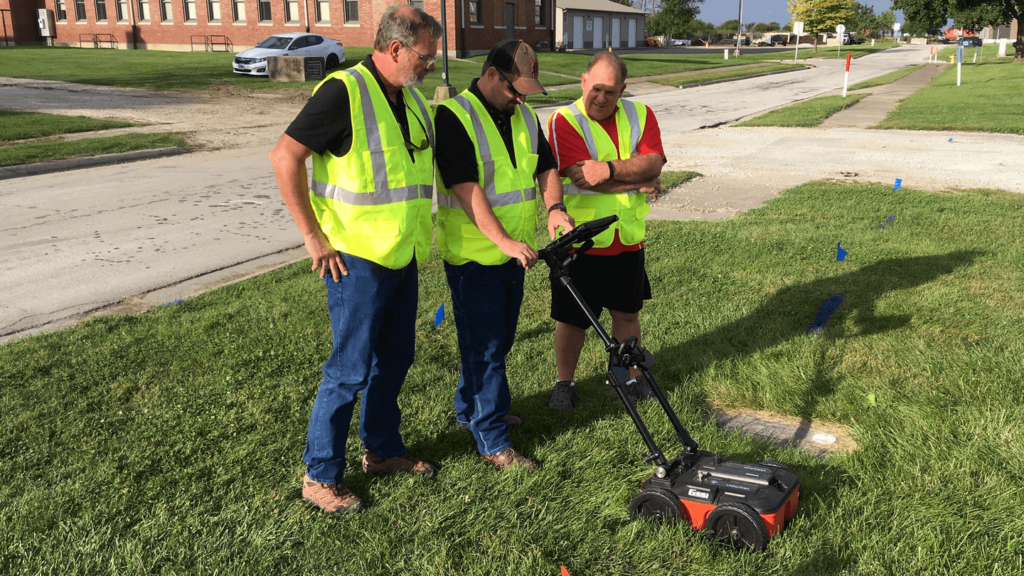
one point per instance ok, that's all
(739, 33)
(445, 90)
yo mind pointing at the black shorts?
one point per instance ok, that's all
(617, 283)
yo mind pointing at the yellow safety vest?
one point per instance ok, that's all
(512, 192)
(587, 205)
(374, 202)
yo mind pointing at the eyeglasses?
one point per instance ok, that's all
(429, 61)
(408, 142)
(515, 93)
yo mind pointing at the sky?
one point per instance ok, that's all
(718, 11)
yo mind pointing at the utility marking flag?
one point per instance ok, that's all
(840, 253)
(825, 311)
(887, 222)
(439, 317)
(896, 186)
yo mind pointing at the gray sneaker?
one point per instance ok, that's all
(563, 397)
(641, 389)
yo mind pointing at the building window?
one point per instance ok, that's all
(143, 10)
(416, 4)
(122, 10)
(238, 10)
(264, 9)
(166, 14)
(62, 10)
(213, 10)
(291, 11)
(79, 10)
(538, 12)
(351, 11)
(188, 8)
(101, 10)
(474, 12)
(323, 12)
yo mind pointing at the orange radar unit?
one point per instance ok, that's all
(738, 504)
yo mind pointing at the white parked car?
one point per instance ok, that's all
(254, 60)
(680, 42)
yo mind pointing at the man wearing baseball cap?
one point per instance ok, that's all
(492, 157)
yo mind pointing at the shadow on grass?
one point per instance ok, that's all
(782, 317)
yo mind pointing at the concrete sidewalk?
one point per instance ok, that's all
(883, 99)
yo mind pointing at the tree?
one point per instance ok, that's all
(729, 26)
(863, 18)
(676, 18)
(973, 14)
(820, 15)
(761, 27)
(774, 26)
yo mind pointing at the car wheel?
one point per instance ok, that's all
(332, 61)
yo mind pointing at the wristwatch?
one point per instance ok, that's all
(558, 206)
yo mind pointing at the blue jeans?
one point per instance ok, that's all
(373, 319)
(485, 303)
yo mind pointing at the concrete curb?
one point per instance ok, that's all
(23, 170)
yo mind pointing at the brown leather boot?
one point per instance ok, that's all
(331, 498)
(508, 458)
(406, 462)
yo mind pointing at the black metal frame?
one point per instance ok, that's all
(621, 355)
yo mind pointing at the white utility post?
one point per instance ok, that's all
(895, 32)
(839, 36)
(739, 34)
(798, 29)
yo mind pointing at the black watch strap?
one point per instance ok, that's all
(558, 206)
(611, 170)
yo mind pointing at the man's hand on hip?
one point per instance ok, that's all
(325, 257)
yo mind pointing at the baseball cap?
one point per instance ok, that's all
(517, 60)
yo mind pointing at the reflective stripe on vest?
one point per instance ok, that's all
(383, 194)
(493, 198)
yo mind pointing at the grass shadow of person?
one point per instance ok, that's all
(779, 318)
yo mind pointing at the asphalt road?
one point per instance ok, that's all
(76, 242)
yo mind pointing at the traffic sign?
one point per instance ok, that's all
(798, 28)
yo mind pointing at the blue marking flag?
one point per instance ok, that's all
(825, 311)
(887, 222)
(840, 253)
(439, 317)
(950, 139)
(896, 186)
(171, 303)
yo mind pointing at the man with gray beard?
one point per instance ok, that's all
(366, 224)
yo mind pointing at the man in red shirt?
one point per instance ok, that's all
(610, 156)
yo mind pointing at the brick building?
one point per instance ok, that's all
(473, 25)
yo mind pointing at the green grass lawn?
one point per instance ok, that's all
(886, 78)
(25, 125)
(16, 154)
(726, 74)
(170, 442)
(988, 100)
(167, 70)
(804, 114)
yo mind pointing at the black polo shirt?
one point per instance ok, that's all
(325, 122)
(456, 154)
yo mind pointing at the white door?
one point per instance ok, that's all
(577, 32)
(632, 33)
(598, 32)
(615, 33)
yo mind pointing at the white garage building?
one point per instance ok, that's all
(598, 24)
